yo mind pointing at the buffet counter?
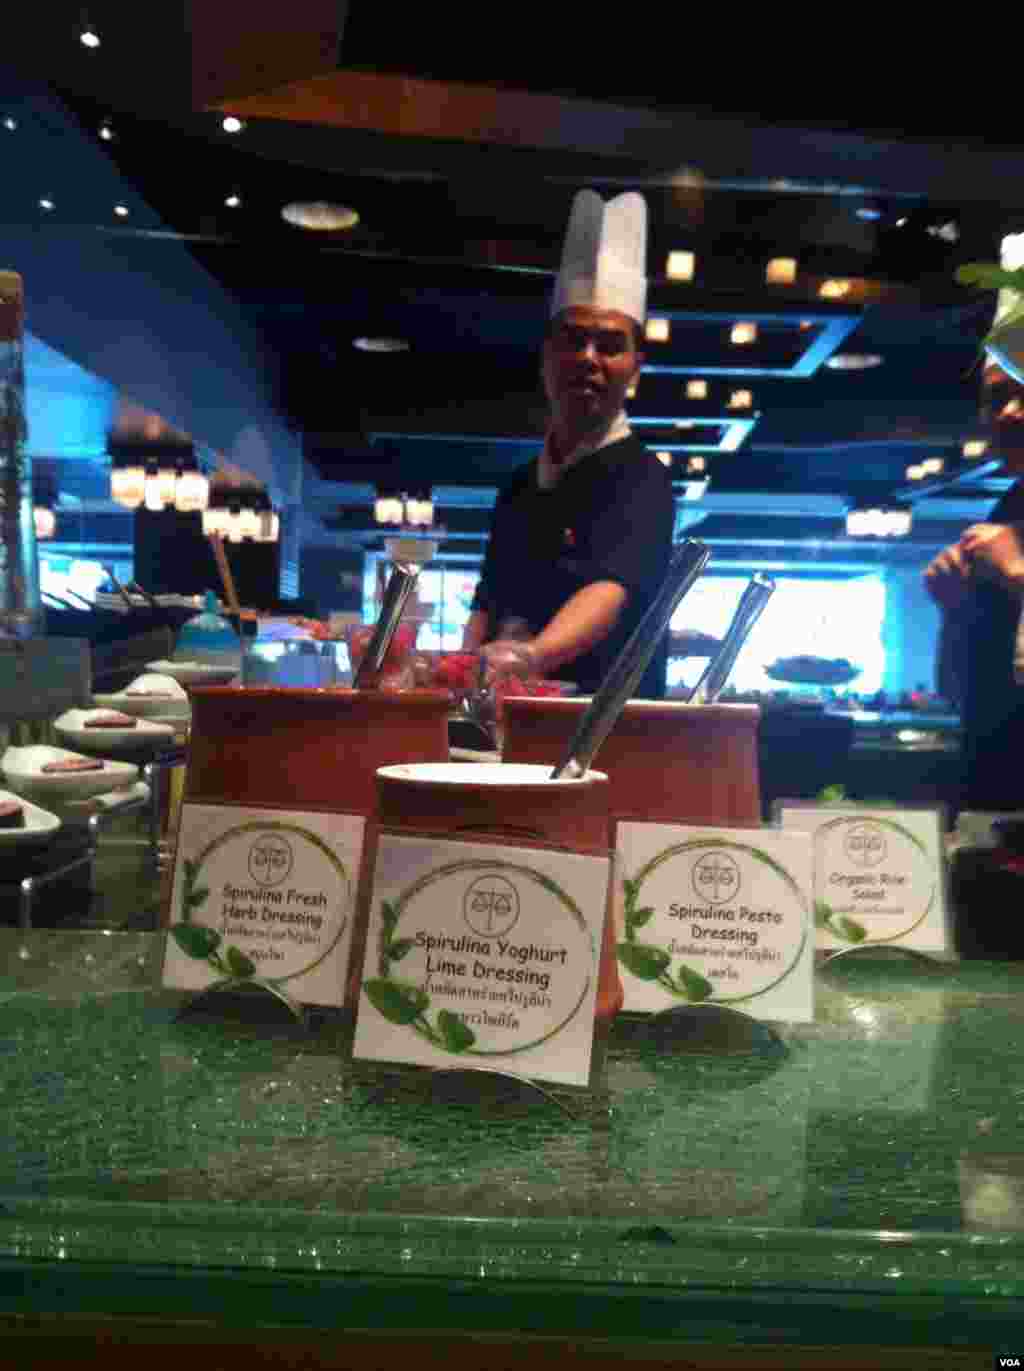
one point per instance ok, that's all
(855, 1184)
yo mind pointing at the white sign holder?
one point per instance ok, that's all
(262, 899)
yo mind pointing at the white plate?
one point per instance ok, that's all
(148, 707)
(147, 734)
(23, 771)
(195, 673)
(39, 823)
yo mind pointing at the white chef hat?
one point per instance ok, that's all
(604, 256)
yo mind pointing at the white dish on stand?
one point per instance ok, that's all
(196, 673)
(23, 770)
(169, 702)
(146, 735)
(39, 825)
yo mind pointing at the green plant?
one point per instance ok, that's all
(991, 276)
(202, 943)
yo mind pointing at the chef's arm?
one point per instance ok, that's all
(474, 635)
(584, 620)
(949, 658)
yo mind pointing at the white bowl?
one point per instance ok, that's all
(147, 734)
(518, 774)
(146, 706)
(39, 824)
(23, 771)
(196, 673)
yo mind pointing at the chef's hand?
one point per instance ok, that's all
(996, 552)
(946, 577)
(509, 657)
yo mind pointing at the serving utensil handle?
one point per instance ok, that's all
(758, 592)
(688, 561)
(397, 591)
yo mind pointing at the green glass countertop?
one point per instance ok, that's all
(860, 1180)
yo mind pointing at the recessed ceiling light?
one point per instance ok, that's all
(868, 212)
(740, 399)
(665, 458)
(743, 333)
(10, 124)
(319, 215)
(121, 211)
(696, 390)
(853, 361)
(680, 266)
(380, 344)
(233, 201)
(901, 222)
(932, 466)
(806, 323)
(975, 447)
(916, 472)
(781, 271)
(657, 330)
(685, 423)
(833, 290)
(89, 38)
(106, 133)
(232, 124)
(46, 204)
(695, 465)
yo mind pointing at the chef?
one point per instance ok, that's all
(581, 536)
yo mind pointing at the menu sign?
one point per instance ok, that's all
(482, 956)
(716, 916)
(878, 874)
(263, 895)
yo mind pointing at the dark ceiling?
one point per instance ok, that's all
(458, 239)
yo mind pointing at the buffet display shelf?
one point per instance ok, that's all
(861, 1185)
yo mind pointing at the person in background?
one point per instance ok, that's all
(581, 537)
(978, 584)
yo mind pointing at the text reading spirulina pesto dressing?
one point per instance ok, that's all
(725, 932)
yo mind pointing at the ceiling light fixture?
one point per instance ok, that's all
(121, 211)
(806, 324)
(743, 333)
(781, 271)
(740, 399)
(869, 213)
(975, 447)
(88, 37)
(106, 132)
(878, 523)
(10, 124)
(901, 222)
(696, 390)
(853, 361)
(233, 201)
(319, 215)
(833, 290)
(932, 466)
(665, 458)
(680, 266)
(232, 124)
(380, 344)
(696, 465)
(657, 330)
(916, 472)
(46, 204)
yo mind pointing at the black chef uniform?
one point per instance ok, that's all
(992, 711)
(609, 518)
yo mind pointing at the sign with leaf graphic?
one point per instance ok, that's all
(879, 874)
(482, 955)
(262, 896)
(716, 915)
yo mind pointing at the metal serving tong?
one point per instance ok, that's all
(404, 575)
(758, 592)
(688, 561)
